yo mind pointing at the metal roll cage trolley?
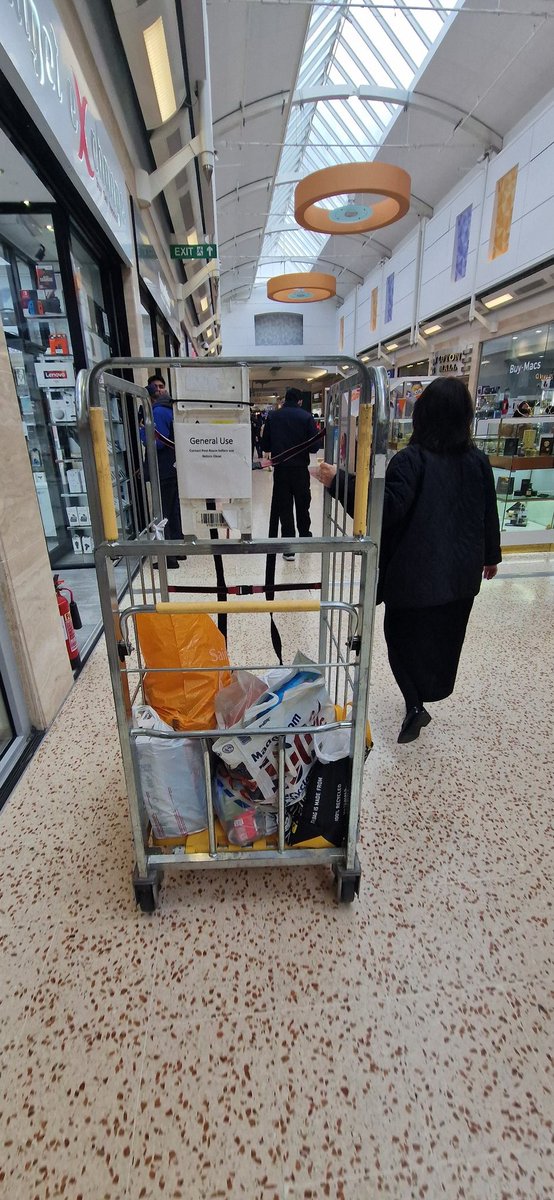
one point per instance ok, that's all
(356, 433)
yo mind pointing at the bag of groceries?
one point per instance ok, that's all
(184, 700)
(172, 778)
(236, 802)
(322, 815)
(299, 699)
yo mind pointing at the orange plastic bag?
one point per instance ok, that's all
(184, 700)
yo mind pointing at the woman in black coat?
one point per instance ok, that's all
(440, 536)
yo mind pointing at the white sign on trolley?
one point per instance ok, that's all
(214, 461)
(37, 58)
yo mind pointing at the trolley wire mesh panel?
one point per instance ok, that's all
(168, 661)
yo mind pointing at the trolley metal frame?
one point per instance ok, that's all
(346, 609)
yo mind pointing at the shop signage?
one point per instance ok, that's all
(36, 53)
(456, 362)
(55, 374)
(150, 271)
(529, 364)
(530, 371)
(203, 250)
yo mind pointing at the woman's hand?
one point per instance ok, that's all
(490, 572)
(325, 473)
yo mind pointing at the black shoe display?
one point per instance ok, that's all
(415, 720)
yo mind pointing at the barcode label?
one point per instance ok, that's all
(212, 518)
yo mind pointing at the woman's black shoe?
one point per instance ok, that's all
(415, 720)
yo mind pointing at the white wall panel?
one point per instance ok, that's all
(238, 337)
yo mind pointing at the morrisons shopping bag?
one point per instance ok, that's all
(172, 778)
(184, 701)
(323, 812)
(300, 699)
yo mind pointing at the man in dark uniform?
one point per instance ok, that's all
(162, 412)
(290, 436)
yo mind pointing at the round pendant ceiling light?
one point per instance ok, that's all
(304, 288)
(359, 179)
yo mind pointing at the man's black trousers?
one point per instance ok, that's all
(171, 508)
(291, 493)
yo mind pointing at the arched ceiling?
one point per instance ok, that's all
(429, 85)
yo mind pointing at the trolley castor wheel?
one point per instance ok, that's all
(348, 882)
(147, 890)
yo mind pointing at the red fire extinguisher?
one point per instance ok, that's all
(71, 620)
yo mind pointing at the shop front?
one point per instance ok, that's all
(65, 242)
(515, 427)
(64, 210)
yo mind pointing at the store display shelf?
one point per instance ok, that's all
(518, 463)
(526, 499)
(47, 316)
(79, 526)
(72, 495)
(531, 525)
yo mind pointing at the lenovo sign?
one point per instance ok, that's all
(35, 52)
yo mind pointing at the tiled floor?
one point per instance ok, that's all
(254, 1040)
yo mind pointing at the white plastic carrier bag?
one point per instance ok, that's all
(300, 699)
(172, 778)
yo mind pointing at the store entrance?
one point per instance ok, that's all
(36, 329)
(61, 309)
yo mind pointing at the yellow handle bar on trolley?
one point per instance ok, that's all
(365, 428)
(236, 606)
(102, 460)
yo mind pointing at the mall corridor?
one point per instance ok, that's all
(252, 1038)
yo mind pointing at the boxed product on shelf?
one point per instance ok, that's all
(61, 402)
(73, 515)
(77, 547)
(87, 543)
(76, 481)
(84, 515)
(58, 344)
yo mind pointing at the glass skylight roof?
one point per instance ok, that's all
(361, 42)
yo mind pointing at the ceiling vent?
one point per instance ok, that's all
(527, 289)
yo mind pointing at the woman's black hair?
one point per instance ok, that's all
(442, 416)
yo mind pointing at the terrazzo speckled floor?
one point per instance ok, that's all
(254, 1040)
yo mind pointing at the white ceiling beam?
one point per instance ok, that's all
(150, 185)
(379, 247)
(202, 276)
(293, 258)
(405, 99)
(249, 112)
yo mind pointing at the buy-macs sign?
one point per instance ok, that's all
(38, 59)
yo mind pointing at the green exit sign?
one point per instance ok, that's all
(204, 250)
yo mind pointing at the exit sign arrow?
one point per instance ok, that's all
(203, 250)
